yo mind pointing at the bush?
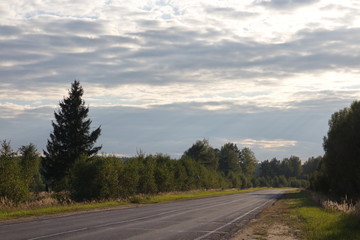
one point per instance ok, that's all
(164, 173)
(129, 178)
(147, 183)
(12, 186)
(234, 179)
(95, 179)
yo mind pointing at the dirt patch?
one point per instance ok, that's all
(274, 223)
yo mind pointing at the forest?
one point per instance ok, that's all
(71, 163)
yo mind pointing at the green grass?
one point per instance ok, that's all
(6, 214)
(15, 213)
(320, 224)
(192, 195)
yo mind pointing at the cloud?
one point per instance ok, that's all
(173, 128)
(67, 48)
(227, 12)
(6, 31)
(163, 74)
(270, 145)
(13, 111)
(281, 4)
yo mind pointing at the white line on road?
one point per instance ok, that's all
(151, 216)
(124, 221)
(231, 222)
(99, 226)
(57, 234)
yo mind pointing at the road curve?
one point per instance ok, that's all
(208, 218)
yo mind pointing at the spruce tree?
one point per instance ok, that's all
(71, 139)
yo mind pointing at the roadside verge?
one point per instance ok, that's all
(23, 213)
(296, 216)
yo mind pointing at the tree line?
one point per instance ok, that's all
(109, 177)
(289, 172)
(338, 173)
(71, 164)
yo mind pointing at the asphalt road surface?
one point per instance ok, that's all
(208, 218)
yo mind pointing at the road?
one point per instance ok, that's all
(208, 218)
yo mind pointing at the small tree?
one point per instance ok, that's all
(97, 178)
(29, 164)
(12, 185)
(248, 162)
(70, 139)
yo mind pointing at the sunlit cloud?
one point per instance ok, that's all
(269, 145)
(13, 111)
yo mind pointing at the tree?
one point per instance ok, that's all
(97, 178)
(203, 153)
(130, 177)
(30, 166)
(270, 168)
(311, 165)
(341, 163)
(164, 173)
(248, 162)
(229, 158)
(12, 185)
(291, 167)
(70, 139)
(147, 181)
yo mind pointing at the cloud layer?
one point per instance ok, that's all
(200, 64)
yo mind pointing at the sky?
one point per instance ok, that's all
(160, 75)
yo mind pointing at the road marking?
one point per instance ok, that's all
(135, 219)
(156, 215)
(99, 226)
(57, 234)
(231, 222)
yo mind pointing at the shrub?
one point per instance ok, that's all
(97, 178)
(13, 187)
(164, 173)
(129, 178)
(147, 183)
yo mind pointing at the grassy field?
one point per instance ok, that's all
(23, 212)
(296, 216)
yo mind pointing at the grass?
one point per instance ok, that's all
(7, 214)
(297, 216)
(167, 197)
(319, 223)
(36, 211)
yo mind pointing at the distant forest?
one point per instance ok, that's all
(70, 164)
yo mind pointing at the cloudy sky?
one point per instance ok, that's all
(159, 75)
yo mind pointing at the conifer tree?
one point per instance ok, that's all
(71, 139)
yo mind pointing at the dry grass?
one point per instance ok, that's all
(38, 200)
(6, 203)
(344, 206)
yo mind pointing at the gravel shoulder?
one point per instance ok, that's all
(274, 223)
